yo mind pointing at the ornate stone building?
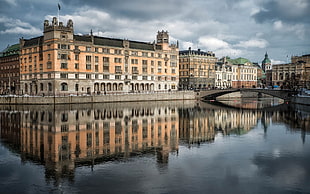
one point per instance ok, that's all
(223, 72)
(9, 70)
(236, 73)
(62, 63)
(197, 69)
(292, 75)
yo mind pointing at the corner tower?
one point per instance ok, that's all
(57, 30)
(163, 39)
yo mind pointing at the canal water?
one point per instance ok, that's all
(238, 146)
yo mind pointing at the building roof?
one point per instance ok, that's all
(239, 61)
(10, 50)
(114, 42)
(34, 41)
(196, 52)
(266, 59)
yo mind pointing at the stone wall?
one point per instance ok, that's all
(134, 97)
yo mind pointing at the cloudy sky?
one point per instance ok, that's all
(235, 28)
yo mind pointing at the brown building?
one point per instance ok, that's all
(9, 70)
(292, 75)
(197, 69)
(62, 63)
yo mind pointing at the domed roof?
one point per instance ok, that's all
(266, 59)
(239, 61)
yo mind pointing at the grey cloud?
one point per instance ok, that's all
(284, 10)
(136, 9)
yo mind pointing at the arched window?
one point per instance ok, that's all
(41, 87)
(64, 87)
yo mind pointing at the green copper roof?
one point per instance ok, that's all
(11, 50)
(239, 61)
(266, 59)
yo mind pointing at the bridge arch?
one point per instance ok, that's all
(213, 94)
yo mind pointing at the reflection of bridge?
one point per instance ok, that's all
(212, 94)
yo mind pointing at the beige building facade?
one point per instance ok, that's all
(235, 73)
(292, 75)
(62, 63)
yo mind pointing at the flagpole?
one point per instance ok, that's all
(58, 11)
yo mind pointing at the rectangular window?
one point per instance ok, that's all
(96, 68)
(88, 48)
(64, 75)
(106, 59)
(106, 68)
(88, 58)
(76, 57)
(88, 66)
(96, 59)
(144, 69)
(76, 66)
(117, 60)
(135, 70)
(144, 62)
(88, 76)
(118, 69)
(134, 61)
(64, 66)
(106, 50)
(117, 52)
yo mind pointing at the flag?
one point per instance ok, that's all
(58, 6)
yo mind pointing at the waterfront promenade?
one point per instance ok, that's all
(102, 98)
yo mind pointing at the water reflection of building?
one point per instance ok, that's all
(196, 125)
(235, 121)
(10, 131)
(62, 139)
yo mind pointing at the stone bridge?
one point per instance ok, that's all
(212, 94)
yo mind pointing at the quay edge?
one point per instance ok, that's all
(109, 98)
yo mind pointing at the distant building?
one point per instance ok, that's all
(267, 70)
(223, 72)
(236, 73)
(62, 63)
(9, 70)
(197, 69)
(292, 75)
